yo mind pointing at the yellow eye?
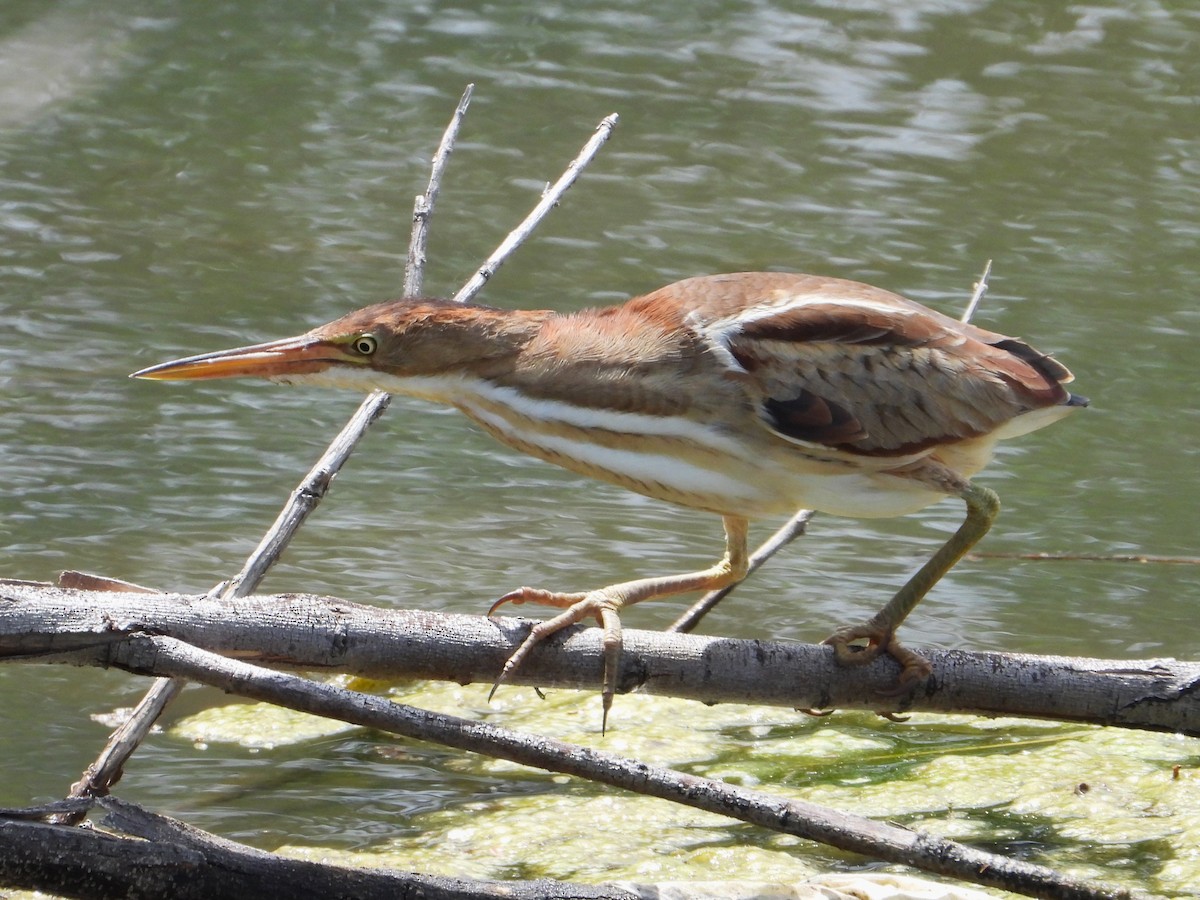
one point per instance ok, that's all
(365, 344)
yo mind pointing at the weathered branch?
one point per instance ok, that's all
(414, 268)
(48, 624)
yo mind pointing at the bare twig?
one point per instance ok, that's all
(311, 490)
(313, 487)
(304, 499)
(791, 529)
(86, 581)
(1094, 557)
(856, 834)
(106, 770)
(108, 766)
(549, 200)
(414, 269)
(981, 287)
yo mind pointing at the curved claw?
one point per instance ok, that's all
(538, 596)
(577, 608)
(512, 597)
(611, 644)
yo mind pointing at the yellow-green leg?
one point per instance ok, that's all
(879, 631)
(606, 603)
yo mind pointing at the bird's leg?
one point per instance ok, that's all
(880, 630)
(605, 604)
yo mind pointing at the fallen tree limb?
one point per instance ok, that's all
(41, 623)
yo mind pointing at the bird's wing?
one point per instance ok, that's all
(861, 370)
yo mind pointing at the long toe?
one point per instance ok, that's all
(538, 596)
(850, 653)
(914, 669)
(594, 604)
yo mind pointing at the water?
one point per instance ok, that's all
(184, 177)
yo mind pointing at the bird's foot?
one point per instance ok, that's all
(879, 638)
(850, 653)
(576, 607)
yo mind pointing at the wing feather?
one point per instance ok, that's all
(858, 369)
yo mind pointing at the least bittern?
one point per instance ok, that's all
(746, 395)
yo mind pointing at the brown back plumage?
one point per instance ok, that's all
(856, 368)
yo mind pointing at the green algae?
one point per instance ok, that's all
(1118, 806)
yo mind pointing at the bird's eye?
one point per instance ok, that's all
(365, 344)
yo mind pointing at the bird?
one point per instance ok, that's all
(747, 395)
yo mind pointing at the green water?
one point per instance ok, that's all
(181, 177)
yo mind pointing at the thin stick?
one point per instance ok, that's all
(108, 767)
(791, 529)
(106, 770)
(309, 493)
(981, 287)
(304, 499)
(312, 488)
(549, 200)
(414, 269)
(800, 818)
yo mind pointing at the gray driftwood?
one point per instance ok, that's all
(302, 631)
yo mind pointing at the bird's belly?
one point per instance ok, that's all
(866, 495)
(697, 465)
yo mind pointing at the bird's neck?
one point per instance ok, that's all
(616, 358)
(482, 342)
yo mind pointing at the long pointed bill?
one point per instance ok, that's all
(302, 355)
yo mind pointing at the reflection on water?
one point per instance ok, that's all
(191, 176)
(55, 57)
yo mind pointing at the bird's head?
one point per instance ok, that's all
(369, 347)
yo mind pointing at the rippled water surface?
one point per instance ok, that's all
(181, 177)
